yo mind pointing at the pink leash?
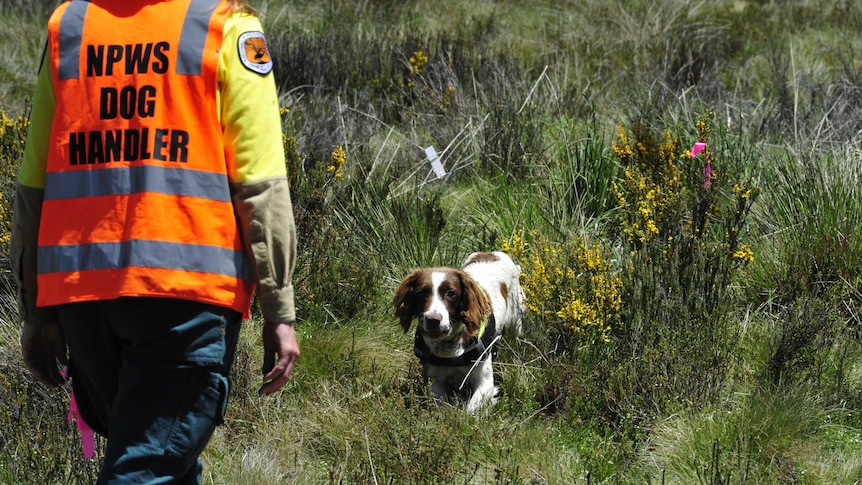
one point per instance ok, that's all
(88, 443)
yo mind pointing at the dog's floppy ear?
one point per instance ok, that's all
(475, 305)
(404, 301)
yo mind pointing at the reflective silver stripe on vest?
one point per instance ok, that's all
(71, 33)
(147, 254)
(194, 37)
(189, 55)
(134, 180)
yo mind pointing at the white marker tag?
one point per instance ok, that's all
(435, 162)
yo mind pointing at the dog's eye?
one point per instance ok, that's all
(451, 295)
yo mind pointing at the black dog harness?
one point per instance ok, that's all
(474, 352)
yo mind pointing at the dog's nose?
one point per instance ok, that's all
(432, 321)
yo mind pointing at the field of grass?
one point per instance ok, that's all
(691, 320)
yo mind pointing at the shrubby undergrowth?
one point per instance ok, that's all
(692, 317)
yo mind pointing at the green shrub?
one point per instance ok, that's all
(571, 288)
(682, 223)
(13, 133)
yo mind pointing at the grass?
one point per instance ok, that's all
(733, 353)
(760, 437)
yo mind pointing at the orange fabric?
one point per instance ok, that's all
(136, 281)
(149, 210)
(136, 113)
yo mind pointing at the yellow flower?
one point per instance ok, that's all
(622, 149)
(336, 160)
(742, 190)
(418, 61)
(338, 157)
(744, 254)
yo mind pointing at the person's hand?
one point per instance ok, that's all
(280, 351)
(43, 348)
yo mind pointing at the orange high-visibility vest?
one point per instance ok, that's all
(137, 200)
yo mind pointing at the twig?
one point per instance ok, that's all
(368, 451)
(533, 89)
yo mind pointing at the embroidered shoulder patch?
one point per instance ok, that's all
(254, 53)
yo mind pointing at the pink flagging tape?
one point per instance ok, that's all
(88, 442)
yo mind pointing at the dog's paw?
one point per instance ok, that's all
(483, 400)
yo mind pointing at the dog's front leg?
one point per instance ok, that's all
(439, 391)
(440, 384)
(482, 382)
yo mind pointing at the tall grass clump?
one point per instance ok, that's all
(811, 267)
(512, 134)
(764, 437)
(812, 223)
(401, 230)
(580, 176)
(36, 444)
(22, 28)
(325, 247)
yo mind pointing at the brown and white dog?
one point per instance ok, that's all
(460, 315)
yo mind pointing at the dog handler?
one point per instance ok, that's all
(152, 201)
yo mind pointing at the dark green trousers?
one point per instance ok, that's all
(151, 374)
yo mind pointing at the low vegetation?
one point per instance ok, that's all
(693, 310)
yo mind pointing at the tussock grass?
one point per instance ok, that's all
(37, 444)
(815, 202)
(758, 436)
(22, 28)
(734, 355)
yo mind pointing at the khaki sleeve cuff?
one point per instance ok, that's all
(23, 247)
(277, 304)
(269, 235)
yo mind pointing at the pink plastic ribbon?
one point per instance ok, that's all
(707, 168)
(88, 442)
(697, 148)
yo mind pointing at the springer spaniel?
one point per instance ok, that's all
(461, 314)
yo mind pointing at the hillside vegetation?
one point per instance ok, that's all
(692, 319)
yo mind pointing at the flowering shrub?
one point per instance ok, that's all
(650, 186)
(568, 286)
(13, 134)
(682, 221)
(674, 205)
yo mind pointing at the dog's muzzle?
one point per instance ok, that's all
(432, 325)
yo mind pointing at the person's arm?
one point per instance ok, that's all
(266, 216)
(256, 167)
(42, 343)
